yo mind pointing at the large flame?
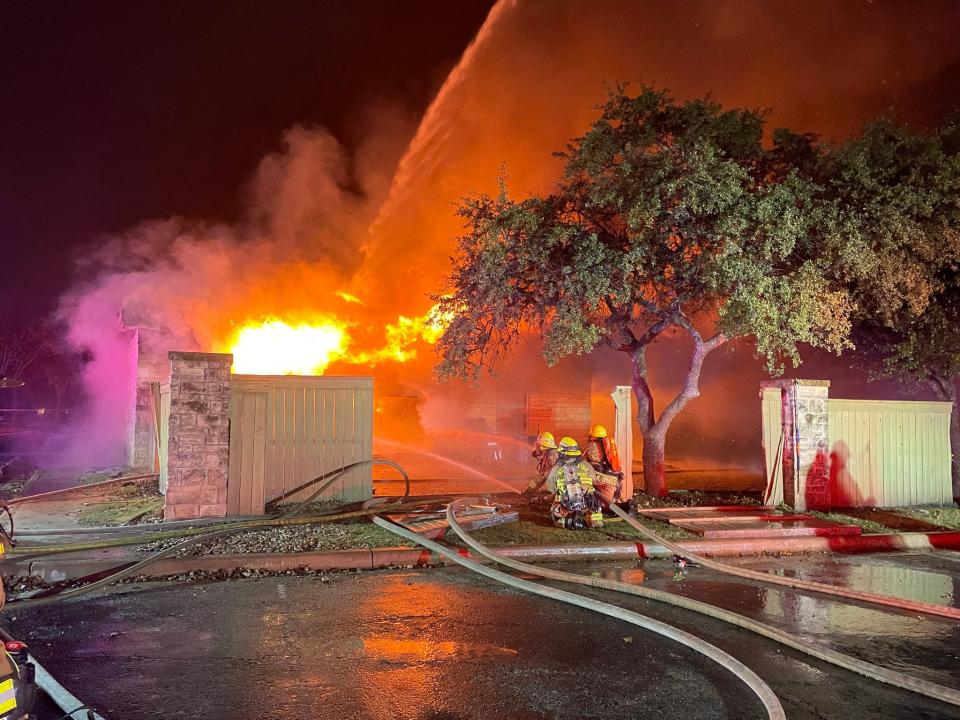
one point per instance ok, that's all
(274, 347)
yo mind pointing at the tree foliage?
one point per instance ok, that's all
(894, 239)
(668, 216)
(666, 212)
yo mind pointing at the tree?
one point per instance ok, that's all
(19, 349)
(669, 217)
(895, 240)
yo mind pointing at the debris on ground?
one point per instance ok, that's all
(325, 576)
(689, 498)
(130, 503)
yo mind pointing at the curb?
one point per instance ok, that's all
(56, 570)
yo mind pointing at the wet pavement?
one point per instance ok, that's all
(445, 645)
(921, 645)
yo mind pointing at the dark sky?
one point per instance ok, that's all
(112, 113)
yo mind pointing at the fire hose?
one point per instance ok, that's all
(196, 535)
(62, 698)
(763, 691)
(797, 583)
(24, 552)
(867, 669)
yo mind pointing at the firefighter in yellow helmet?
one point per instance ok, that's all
(545, 453)
(601, 453)
(575, 503)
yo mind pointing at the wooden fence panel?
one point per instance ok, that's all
(889, 453)
(288, 430)
(772, 443)
(883, 453)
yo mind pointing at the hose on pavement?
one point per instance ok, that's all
(25, 552)
(763, 691)
(875, 672)
(196, 535)
(809, 585)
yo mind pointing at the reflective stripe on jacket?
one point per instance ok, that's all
(557, 481)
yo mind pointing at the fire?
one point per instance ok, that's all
(403, 335)
(347, 297)
(274, 347)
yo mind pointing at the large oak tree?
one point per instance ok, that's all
(669, 217)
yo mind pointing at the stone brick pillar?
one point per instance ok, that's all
(806, 446)
(199, 441)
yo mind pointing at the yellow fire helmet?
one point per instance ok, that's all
(598, 431)
(546, 440)
(568, 447)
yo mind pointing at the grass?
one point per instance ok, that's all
(119, 512)
(890, 520)
(526, 532)
(688, 498)
(345, 536)
(866, 525)
(946, 517)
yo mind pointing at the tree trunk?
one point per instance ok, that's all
(653, 429)
(654, 468)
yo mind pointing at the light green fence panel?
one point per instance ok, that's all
(772, 444)
(888, 453)
(287, 430)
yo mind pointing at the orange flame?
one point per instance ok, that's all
(274, 347)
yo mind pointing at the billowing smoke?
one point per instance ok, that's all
(186, 285)
(320, 219)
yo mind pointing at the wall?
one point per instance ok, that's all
(198, 444)
(286, 431)
(151, 370)
(889, 453)
(822, 452)
(562, 413)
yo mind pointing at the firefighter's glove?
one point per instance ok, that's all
(592, 501)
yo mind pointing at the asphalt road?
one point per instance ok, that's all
(446, 645)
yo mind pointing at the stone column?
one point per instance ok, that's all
(806, 446)
(199, 442)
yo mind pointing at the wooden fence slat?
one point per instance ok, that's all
(329, 430)
(299, 436)
(247, 428)
(257, 494)
(289, 474)
(236, 450)
(309, 433)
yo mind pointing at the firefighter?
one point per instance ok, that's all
(601, 453)
(575, 502)
(545, 453)
(18, 687)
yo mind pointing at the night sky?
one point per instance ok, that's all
(113, 113)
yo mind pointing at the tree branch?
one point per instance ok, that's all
(691, 386)
(942, 387)
(641, 389)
